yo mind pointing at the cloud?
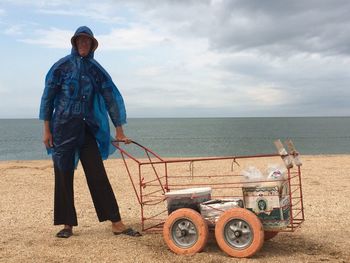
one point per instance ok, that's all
(269, 27)
(267, 96)
(101, 12)
(292, 52)
(51, 38)
(41, 3)
(134, 37)
(218, 57)
(149, 71)
(273, 27)
(14, 30)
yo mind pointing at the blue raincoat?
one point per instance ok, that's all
(79, 92)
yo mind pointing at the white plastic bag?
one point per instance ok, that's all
(276, 172)
(252, 174)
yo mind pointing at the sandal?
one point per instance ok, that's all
(65, 233)
(129, 232)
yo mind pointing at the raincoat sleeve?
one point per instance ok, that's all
(114, 102)
(52, 86)
(112, 98)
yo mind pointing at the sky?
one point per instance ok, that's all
(187, 58)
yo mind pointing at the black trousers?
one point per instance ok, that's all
(100, 189)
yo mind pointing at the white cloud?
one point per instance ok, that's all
(267, 96)
(41, 3)
(149, 71)
(135, 37)
(100, 12)
(52, 38)
(14, 30)
(118, 39)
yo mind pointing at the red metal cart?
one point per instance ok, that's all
(187, 197)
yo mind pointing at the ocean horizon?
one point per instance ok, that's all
(21, 139)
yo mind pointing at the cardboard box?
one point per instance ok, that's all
(270, 202)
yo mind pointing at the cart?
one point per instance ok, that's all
(185, 198)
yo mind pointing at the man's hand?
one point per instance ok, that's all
(47, 137)
(124, 139)
(120, 136)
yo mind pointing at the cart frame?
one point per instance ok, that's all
(159, 179)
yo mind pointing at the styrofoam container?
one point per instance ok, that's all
(189, 192)
(187, 198)
(212, 210)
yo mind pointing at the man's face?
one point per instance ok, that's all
(83, 45)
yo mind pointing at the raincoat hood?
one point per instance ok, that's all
(84, 31)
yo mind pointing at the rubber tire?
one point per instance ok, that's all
(269, 235)
(256, 228)
(197, 220)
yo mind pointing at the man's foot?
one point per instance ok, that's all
(66, 232)
(119, 228)
(129, 232)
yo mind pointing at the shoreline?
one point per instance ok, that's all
(186, 157)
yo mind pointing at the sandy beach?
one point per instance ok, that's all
(28, 235)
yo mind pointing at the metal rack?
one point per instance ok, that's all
(152, 176)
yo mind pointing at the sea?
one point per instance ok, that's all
(21, 139)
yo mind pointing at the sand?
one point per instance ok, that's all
(28, 235)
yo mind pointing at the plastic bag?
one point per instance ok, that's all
(276, 172)
(252, 174)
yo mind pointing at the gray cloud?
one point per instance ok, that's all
(285, 26)
(298, 48)
(275, 27)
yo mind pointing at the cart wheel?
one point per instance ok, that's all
(269, 235)
(239, 233)
(185, 231)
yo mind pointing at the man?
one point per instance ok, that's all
(78, 96)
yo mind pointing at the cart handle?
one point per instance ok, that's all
(147, 150)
